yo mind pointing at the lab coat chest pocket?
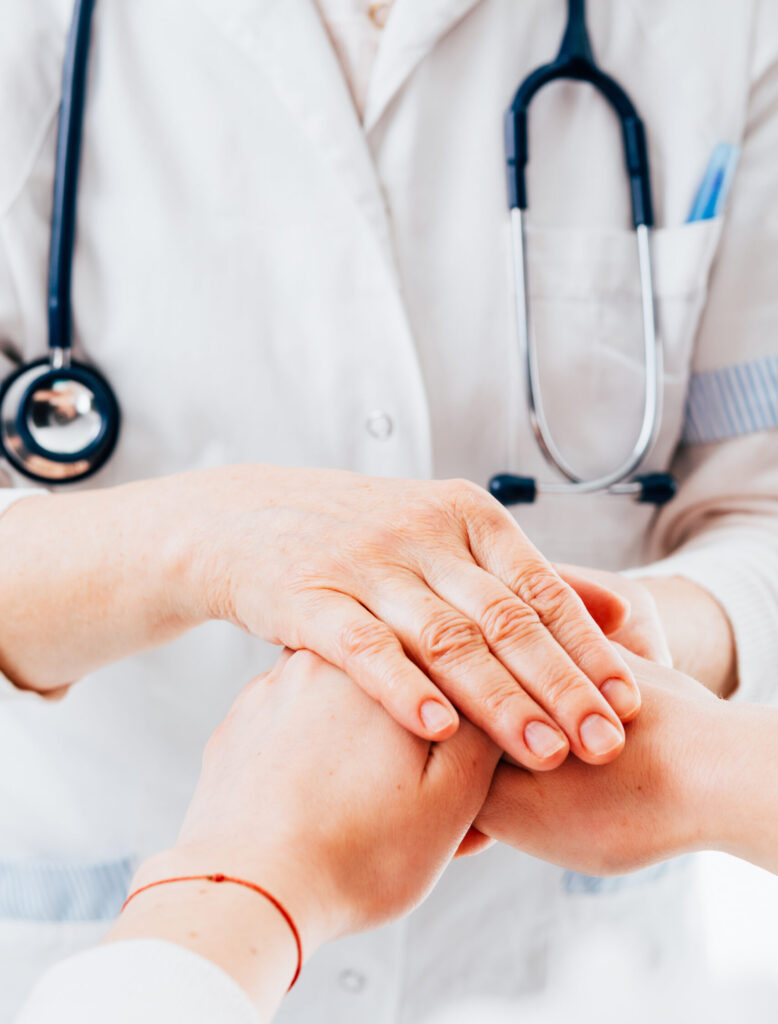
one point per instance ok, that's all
(586, 314)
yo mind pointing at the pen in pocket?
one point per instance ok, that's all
(712, 195)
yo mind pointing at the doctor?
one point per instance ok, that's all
(293, 249)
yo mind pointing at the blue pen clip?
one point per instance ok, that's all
(712, 196)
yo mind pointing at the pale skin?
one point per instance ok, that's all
(667, 618)
(348, 844)
(354, 819)
(697, 773)
(426, 593)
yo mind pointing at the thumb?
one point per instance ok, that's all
(459, 770)
(608, 609)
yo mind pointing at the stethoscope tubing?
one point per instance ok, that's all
(63, 222)
(575, 62)
(653, 366)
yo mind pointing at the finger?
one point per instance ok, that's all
(519, 638)
(474, 842)
(513, 560)
(609, 610)
(453, 652)
(498, 545)
(344, 632)
(459, 771)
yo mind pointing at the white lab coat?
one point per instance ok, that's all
(263, 278)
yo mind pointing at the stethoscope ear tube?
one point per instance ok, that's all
(69, 134)
(575, 61)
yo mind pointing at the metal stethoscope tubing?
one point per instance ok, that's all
(616, 480)
(575, 62)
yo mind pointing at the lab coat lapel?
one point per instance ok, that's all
(288, 41)
(413, 29)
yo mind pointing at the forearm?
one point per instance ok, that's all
(698, 632)
(88, 578)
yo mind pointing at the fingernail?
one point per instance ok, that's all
(623, 698)
(435, 716)
(600, 736)
(542, 740)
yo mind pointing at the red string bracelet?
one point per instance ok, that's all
(234, 881)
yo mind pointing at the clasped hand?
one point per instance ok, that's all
(428, 595)
(310, 788)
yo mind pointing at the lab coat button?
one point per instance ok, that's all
(352, 981)
(379, 425)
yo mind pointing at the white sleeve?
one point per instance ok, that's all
(143, 981)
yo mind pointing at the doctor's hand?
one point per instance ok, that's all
(311, 791)
(427, 594)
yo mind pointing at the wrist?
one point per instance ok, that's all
(296, 887)
(186, 528)
(203, 548)
(687, 611)
(234, 928)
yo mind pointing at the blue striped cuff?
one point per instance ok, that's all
(592, 885)
(736, 400)
(39, 891)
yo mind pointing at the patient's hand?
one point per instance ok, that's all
(642, 633)
(311, 790)
(650, 804)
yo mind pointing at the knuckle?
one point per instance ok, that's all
(507, 620)
(466, 497)
(565, 689)
(362, 640)
(585, 647)
(448, 637)
(543, 590)
(499, 702)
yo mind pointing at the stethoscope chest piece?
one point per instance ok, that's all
(59, 419)
(57, 424)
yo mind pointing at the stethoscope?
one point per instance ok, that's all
(59, 419)
(575, 60)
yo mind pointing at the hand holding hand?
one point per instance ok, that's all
(310, 790)
(426, 593)
(656, 801)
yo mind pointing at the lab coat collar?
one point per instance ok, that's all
(412, 31)
(289, 43)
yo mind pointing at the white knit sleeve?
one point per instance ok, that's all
(143, 981)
